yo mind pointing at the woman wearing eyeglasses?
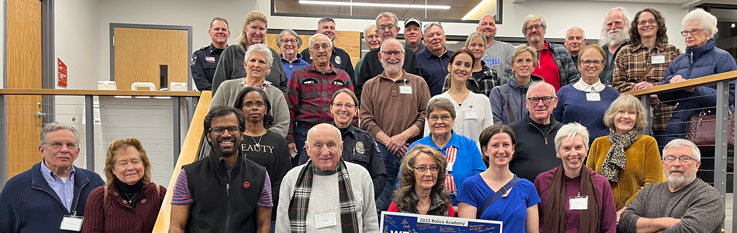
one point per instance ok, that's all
(473, 111)
(508, 100)
(628, 159)
(497, 193)
(461, 153)
(421, 185)
(289, 42)
(642, 63)
(586, 100)
(702, 58)
(258, 65)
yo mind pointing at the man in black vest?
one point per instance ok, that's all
(222, 192)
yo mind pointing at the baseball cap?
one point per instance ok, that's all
(413, 20)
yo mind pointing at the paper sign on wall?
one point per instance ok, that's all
(62, 81)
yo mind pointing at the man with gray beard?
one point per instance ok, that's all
(393, 108)
(613, 37)
(683, 204)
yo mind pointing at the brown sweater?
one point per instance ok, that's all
(385, 109)
(643, 167)
(115, 215)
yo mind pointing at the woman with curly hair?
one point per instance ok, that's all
(420, 187)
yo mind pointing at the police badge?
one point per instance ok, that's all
(359, 148)
(338, 60)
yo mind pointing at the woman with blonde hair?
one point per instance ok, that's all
(628, 159)
(231, 64)
(421, 187)
(508, 100)
(130, 201)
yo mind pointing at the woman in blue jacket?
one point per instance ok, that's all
(701, 58)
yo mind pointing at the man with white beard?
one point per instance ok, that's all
(683, 204)
(614, 35)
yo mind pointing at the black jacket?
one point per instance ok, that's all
(223, 203)
(535, 151)
(371, 67)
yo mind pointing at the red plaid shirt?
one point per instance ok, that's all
(309, 93)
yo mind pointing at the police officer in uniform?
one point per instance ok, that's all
(205, 60)
(359, 146)
(340, 58)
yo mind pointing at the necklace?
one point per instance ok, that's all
(258, 143)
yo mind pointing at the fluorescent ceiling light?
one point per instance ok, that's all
(367, 4)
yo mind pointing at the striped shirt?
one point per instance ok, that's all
(632, 62)
(182, 196)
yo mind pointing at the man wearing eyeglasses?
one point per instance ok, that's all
(338, 57)
(535, 153)
(223, 192)
(309, 92)
(387, 27)
(52, 192)
(205, 60)
(393, 110)
(683, 204)
(555, 64)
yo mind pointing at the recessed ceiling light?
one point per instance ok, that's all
(369, 4)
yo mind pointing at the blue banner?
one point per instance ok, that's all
(405, 223)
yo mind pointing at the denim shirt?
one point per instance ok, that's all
(64, 190)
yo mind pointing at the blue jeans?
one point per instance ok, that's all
(391, 163)
(300, 136)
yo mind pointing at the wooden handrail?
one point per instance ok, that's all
(686, 84)
(190, 148)
(98, 92)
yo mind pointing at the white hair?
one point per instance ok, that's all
(570, 131)
(387, 14)
(260, 48)
(575, 28)
(319, 35)
(707, 20)
(605, 40)
(680, 143)
(401, 48)
(540, 83)
(366, 30)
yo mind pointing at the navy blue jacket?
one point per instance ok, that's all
(695, 63)
(28, 204)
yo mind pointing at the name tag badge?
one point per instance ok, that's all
(325, 220)
(471, 114)
(658, 59)
(71, 223)
(405, 89)
(579, 203)
(593, 96)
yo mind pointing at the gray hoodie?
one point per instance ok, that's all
(509, 100)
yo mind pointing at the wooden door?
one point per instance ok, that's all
(23, 71)
(139, 53)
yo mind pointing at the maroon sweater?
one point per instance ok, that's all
(115, 215)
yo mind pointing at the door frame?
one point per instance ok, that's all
(149, 26)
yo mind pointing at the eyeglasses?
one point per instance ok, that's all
(258, 104)
(592, 62)
(286, 41)
(220, 130)
(692, 31)
(423, 169)
(445, 118)
(392, 52)
(386, 27)
(683, 159)
(347, 106)
(536, 27)
(646, 22)
(59, 145)
(371, 37)
(546, 99)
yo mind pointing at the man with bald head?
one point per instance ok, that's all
(327, 193)
(387, 27)
(536, 153)
(498, 53)
(614, 35)
(393, 110)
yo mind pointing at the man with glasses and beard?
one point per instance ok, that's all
(683, 204)
(613, 37)
(223, 192)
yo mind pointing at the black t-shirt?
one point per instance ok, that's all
(270, 151)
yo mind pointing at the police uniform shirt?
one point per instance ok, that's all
(203, 64)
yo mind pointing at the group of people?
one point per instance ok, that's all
(537, 136)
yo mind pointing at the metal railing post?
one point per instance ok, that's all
(3, 142)
(720, 140)
(89, 132)
(177, 129)
(645, 99)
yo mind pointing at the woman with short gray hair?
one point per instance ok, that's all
(289, 43)
(572, 183)
(702, 58)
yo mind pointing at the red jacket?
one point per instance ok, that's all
(115, 215)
